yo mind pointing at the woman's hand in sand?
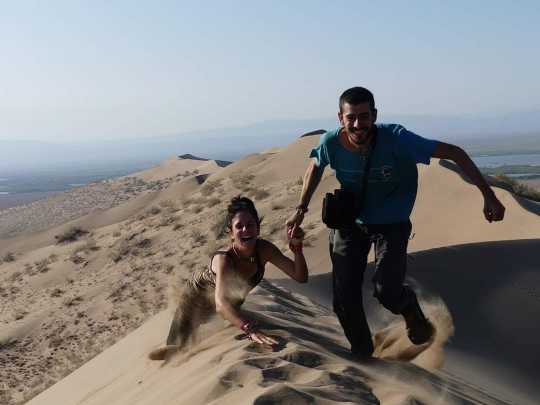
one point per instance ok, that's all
(259, 337)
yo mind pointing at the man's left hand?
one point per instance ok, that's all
(493, 209)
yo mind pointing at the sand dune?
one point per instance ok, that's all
(309, 367)
(179, 166)
(64, 303)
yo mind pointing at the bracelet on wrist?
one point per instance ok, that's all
(247, 327)
(296, 247)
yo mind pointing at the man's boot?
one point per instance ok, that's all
(419, 328)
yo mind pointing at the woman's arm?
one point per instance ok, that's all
(221, 266)
(297, 269)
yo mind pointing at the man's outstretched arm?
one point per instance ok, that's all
(312, 178)
(493, 209)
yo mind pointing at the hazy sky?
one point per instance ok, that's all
(116, 69)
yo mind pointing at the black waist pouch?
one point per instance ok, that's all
(339, 209)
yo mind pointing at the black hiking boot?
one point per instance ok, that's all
(419, 328)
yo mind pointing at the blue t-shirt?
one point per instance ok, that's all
(393, 177)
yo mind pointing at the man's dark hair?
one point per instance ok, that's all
(237, 205)
(355, 96)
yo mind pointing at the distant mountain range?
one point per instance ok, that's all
(512, 130)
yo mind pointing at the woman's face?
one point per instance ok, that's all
(244, 229)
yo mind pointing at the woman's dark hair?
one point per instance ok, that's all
(239, 204)
(355, 96)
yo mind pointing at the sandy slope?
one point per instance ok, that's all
(309, 367)
(56, 316)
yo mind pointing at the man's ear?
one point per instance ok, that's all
(340, 118)
(374, 112)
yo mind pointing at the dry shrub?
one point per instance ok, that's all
(243, 181)
(76, 258)
(518, 188)
(169, 268)
(117, 234)
(9, 257)
(57, 292)
(70, 235)
(89, 246)
(219, 228)
(169, 206)
(134, 245)
(212, 202)
(72, 301)
(53, 258)
(166, 220)
(197, 209)
(198, 237)
(153, 211)
(260, 194)
(42, 266)
(186, 202)
(208, 189)
(120, 251)
(210, 248)
(273, 228)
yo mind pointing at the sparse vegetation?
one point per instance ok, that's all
(197, 209)
(76, 258)
(72, 301)
(198, 237)
(169, 206)
(260, 194)
(243, 181)
(8, 257)
(166, 220)
(210, 248)
(89, 246)
(57, 292)
(153, 211)
(133, 245)
(208, 189)
(169, 268)
(117, 234)
(518, 188)
(273, 228)
(70, 235)
(212, 202)
(219, 228)
(42, 266)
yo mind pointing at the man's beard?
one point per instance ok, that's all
(360, 137)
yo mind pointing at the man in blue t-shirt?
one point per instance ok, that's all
(383, 220)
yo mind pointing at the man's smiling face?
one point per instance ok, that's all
(357, 121)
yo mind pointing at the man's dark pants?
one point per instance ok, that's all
(349, 248)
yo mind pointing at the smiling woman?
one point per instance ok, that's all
(222, 286)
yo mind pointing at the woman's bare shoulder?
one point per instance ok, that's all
(266, 249)
(220, 261)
